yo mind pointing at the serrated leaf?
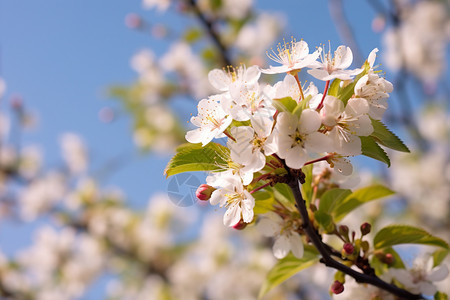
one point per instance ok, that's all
(359, 197)
(439, 256)
(385, 137)
(405, 234)
(194, 157)
(263, 202)
(334, 88)
(285, 104)
(371, 149)
(286, 268)
(331, 198)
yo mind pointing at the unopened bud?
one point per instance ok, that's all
(343, 229)
(337, 287)
(388, 259)
(365, 228)
(240, 225)
(348, 248)
(204, 192)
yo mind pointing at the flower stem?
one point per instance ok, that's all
(319, 159)
(229, 135)
(324, 94)
(299, 86)
(261, 187)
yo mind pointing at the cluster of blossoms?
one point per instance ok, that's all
(269, 125)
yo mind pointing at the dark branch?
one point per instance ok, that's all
(210, 28)
(326, 255)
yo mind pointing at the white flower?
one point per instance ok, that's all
(286, 237)
(374, 89)
(247, 101)
(334, 67)
(252, 145)
(298, 136)
(224, 79)
(234, 169)
(345, 125)
(286, 88)
(74, 153)
(211, 120)
(236, 198)
(420, 278)
(293, 56)
(161, 5)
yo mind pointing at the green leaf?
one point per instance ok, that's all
(306, 188)
(286, 268)
(439, 256)
(298, 110)
(359, 197)
(371, 149)
(192, 35)
(331, 198)
(385, 137)
(285, 104)
(325, 220)
(440, 296)
(334, 88)
(264, 201)
(194, 157)
(283, 193)
(405, 234)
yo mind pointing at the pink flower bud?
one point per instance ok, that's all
(204, 192)
(348, 248)
(365, 228)
(240, 225)
(388, 259)
(337, 287)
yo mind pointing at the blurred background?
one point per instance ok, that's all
(95, 99)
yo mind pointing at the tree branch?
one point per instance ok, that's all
(326, 256)
(210, 28)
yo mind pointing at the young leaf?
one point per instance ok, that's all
(283, 193)
(405, 234)
(440, 296)
(194, 157)
(371, 149)
(439, 256)
(385, 137)
(331, 198)
(334, 87)
(358, 197)
(307, 186)
(285, 104)
(286, 268)
(264, 201)
(325, 220)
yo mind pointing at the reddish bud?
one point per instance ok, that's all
(365, 228)
(388, 259)
(343, 230)
(204, 192)
(337, 287)
(348, 248)
(240, 225)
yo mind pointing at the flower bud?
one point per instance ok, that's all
(337, 287)
(240, 225)
(348, 248)
(388, 259)
(365, 228)
(343, 229)
(204, 192)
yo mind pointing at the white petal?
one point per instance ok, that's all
(372, 56)
(318, 142)
(438, 273)
(296, 245)
(268, 227)
(233, 215)
(357, 106)
(252, 75)
(319, 74)
(281, 247)
(296, 157)
(427, 288)
(343, 57)
(219, 79)
(309, 121)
